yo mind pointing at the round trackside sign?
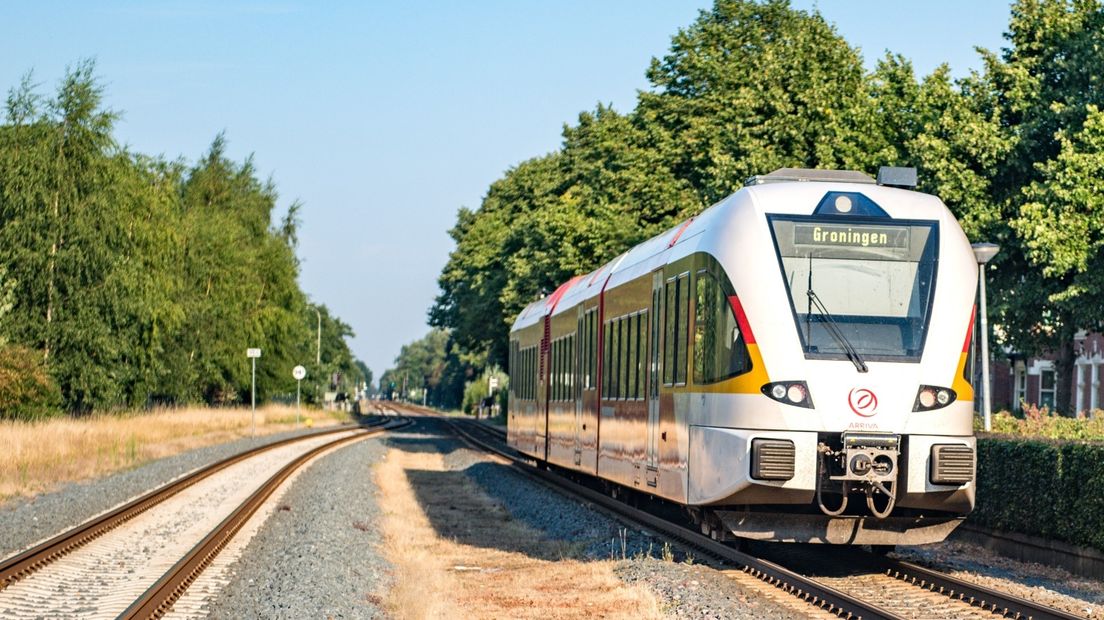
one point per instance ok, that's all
(298, 372)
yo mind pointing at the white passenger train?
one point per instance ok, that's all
(790, 365)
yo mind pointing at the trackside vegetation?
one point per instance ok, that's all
(128, 281)
(1015, 149)
(1048, 488)
(1042, 474)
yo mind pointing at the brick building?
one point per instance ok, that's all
(1035, 379)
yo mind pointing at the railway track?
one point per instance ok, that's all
(901, 589)
(102, 542)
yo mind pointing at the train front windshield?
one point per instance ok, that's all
(864, 284)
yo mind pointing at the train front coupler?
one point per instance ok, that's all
(862, 461)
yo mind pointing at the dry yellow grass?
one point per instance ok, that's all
(458, 554)
(38, 456)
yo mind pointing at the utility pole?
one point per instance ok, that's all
(318, 341)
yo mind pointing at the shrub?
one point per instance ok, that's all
(1041, 422)
(1053, 489)
(27, 392)
(475, 391)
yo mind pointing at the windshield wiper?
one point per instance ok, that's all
(832, 328)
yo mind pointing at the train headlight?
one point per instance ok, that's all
(794, 393)
(931, 397)
(943, 397)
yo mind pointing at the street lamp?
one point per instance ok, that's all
(984, 252)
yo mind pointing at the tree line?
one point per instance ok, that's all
(128, 281)
(1015, 149)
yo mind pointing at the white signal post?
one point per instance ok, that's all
(298, 372)
(253, 354)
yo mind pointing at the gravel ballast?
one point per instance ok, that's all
(317, 556)
(30, 520)
(684, 588)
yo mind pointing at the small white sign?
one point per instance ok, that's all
(493, 382)
(252, 352)
(298, 372)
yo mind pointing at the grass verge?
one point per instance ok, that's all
(38, 456)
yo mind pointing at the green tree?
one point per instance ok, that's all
(138, 280)
(754, 86)
(429, 363)
(1045, 89)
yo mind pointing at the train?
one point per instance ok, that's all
(790, 365)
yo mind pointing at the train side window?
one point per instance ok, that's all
(559, 371)
(567, 369)
(681, 340)
(678, 307)
(606, 357)
(634, 321)
(669, 320)
(585, 342)
(615, 367)
(641, 351)
(552, 371)
(594, 349)
(626, 357)
(587, 381)
(554, 377)
(590, 348)
(634, 327)
(719, 348)
(638, 381)
(573, 367)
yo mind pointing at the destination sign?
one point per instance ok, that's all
(843, 236)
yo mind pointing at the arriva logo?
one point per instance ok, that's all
(863, 402)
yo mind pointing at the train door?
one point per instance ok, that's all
(577, 384)
(651, 458)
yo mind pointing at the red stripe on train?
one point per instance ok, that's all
(970, 330)
(741, 319)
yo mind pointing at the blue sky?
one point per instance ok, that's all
(384, 118)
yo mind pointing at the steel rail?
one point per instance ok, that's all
(24, 563)
(156, 601)
(1002, 604)
(988, 599)
(811, 591)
